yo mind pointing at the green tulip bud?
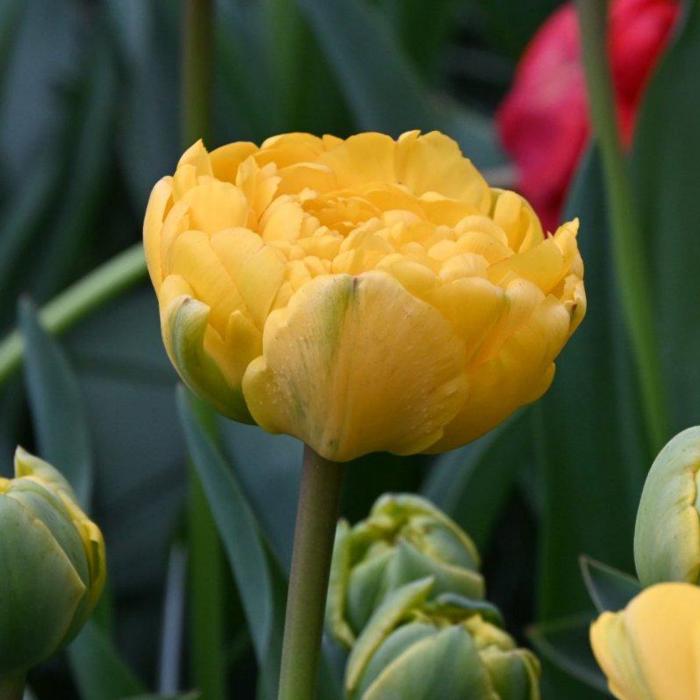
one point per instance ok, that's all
(415, 644)
(667, 532)
(52, 565)
(405, 538)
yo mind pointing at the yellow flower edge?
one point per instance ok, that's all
(651, 650)
(362, 294)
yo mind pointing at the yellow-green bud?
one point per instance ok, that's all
(667, 533)
(414, 644)
(52, 565)
(405, 538)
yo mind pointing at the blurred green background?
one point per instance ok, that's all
(90, 119)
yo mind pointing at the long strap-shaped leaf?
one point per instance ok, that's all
(237, 526)
(260, 582)
(58, 414)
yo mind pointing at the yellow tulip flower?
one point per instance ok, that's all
(651, 650)
(363, 294)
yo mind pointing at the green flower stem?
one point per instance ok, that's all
(630, 262)
(197, 69)
(12, 688)
(206, 563)
(317, 514)
(88, 294)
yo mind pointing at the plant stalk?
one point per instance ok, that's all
(630, 262)
(88, 294)
(205, 555)
(317, 514)
(197, 69)
(12, 687)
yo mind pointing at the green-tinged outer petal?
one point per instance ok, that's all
(37, 606)
(447, 663)
(434, 526)
(368, 586)
(356, 364)
(409, 564)
(399, 641)
(667, 533)
(51, 498)
(458, 607)
(27, 464)
(184, 330)
(514, 673)
(383, 621)
(337, 587)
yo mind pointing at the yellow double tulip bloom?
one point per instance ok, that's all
(651, 650)
(363, 294)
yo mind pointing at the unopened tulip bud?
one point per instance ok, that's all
(52, 565)
(413, 645)
(403, 539)
(667, 533)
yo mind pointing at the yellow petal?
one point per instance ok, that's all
(152, 224)
(434, 163)
(519, 373)
(215, 206)
(256, 269)
(196, 155)
(543, 265)
(226, 159)
(356, 365)
(473, 306)
(300, 176)
(289, 149)
(362, 159)
(193, 259)
(517, 218)
(649, 651)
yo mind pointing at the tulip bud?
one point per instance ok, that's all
(414, 644)
(651, 649)
(52, 565)
(667, 532)
(405, 538)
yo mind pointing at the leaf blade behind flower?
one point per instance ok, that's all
(57, 407)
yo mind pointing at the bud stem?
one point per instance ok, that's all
(628, 251)
(317, 514)
(12, 687)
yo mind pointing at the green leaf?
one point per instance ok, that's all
(591, 459)
(26, 211)
(147, 137)
(45, 48)
(565, 644)
(59, 417)
(77, 219)
(665, 167)
(206, 589)
(237, 525)
(379, 82)
(194, 695)
(99, 672)
(609, 588)
(471, 484)
(422, 28)
(590, 454)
